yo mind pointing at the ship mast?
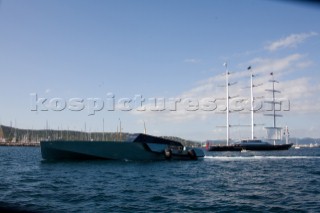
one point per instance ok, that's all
(252, 98)
(274, 115)
(251, 101)
(227, 100)
(228, 84)
(273, 101)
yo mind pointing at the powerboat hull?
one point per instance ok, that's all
(64, 150)
(267, 147)
(250, 147)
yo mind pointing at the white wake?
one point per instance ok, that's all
(233, 158)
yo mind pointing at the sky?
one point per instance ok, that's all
(87, 65)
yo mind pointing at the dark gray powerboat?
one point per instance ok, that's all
(135, 147)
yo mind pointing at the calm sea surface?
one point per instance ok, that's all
(279, 181)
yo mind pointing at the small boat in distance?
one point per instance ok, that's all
(135, 147)
(296, 146)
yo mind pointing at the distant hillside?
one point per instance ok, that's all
(12, 135)
(298, 141)
(183, 141)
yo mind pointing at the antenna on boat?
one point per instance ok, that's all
(117, 135)
(287, 134)
(47, 129)
(15, 130)
(145, 129)
(68, 133)
(85, 131)
(120, 130)
(103, 129)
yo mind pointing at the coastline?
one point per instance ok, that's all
(34, 144)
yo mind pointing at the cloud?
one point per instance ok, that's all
(300, 91)
(290, 41)
(303, 95)
(192, 60)
(291, 70)
(280, 65)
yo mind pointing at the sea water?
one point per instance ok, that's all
(277, 181)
